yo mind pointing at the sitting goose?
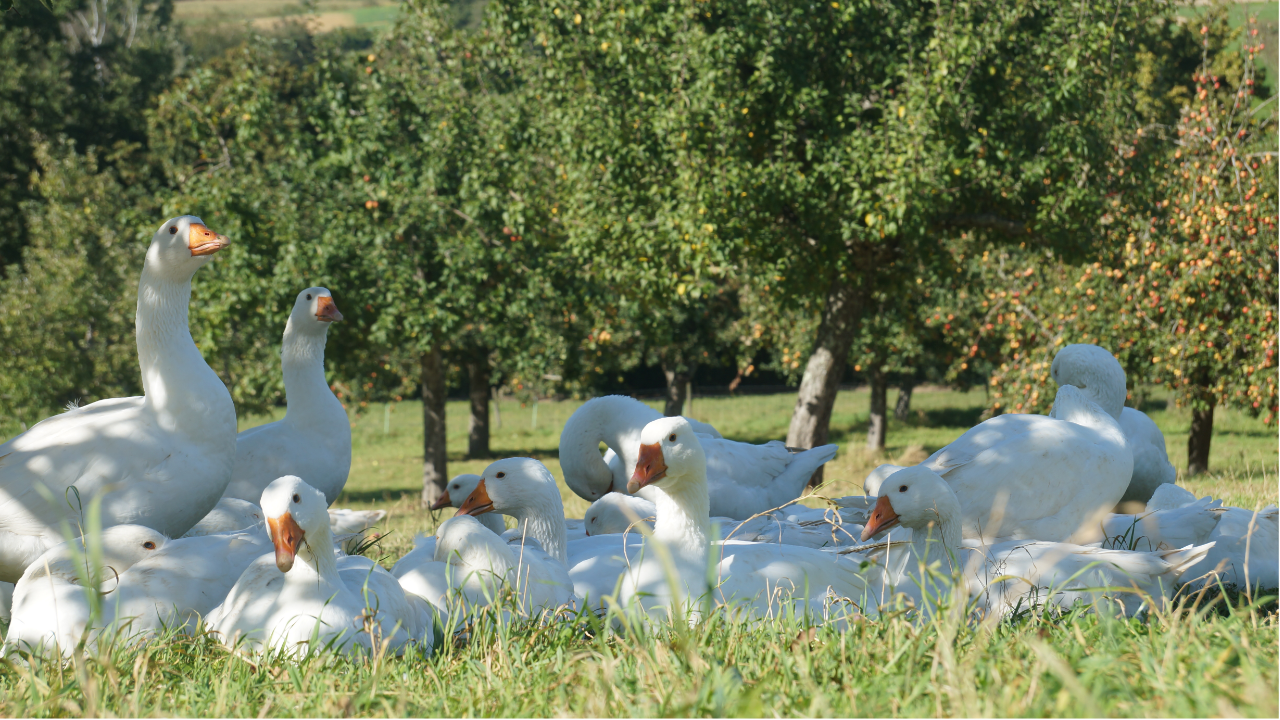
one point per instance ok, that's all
(298, 596)
(1013, 574)
(744, 479)
(1099, 374)
(1037, 477)
(313, 439)
(53, 603)
(161, 460)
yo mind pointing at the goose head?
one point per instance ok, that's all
(295, 511)
(670, 455)
(1094, 370)
(1074, 405)
(510, 486)
(181, 246)
(313, 312)
(119, 548)
(613, 513)
(457, 491)
(915, 498)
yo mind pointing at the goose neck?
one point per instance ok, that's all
(317, 553)
(543, 520)
(307, 393)
(683, 519)
(613, 420)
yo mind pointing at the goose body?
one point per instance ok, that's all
(161, 460)
(745, 479)
(1037, 477)
(297, 599)
(52, 602)
(229, 515)
(1020, 574)
(313, 440)
(1097, 372)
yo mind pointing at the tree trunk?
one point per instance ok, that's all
(876, 425)
(811, 419)
(434, 469)
(903, 407)
(478, 427)
(1199, 439)
(679, 382)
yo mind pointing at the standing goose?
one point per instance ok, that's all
(1014, 574)
(313, 440)
(1037, 477)
(297, 599)
(161, 460)
(1097, 372)
(744, 479)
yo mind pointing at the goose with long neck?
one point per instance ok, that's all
(286, 598)
(524, 489)
(313, 440)
(1098, 373)
(1013, 574)
(1033, 476)
(161, 460)
(744, 479)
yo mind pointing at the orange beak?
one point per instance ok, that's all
(286, 536)
(326, 310)
(478, 502)
(882, 517)
(203, 241)
(650, 468)
(442, 501)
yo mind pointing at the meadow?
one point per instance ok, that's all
(1219, 659)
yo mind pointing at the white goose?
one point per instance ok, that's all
(297, 599)
(229, 515)
(53, 602)
(313, 439)
(160, 460)
(1015, 574)
(745, 479)
(458, 490)
(1035, 477)
(476, 566)
(1097, 372)
(1245, 547)
(667, 574)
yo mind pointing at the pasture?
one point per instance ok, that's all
(1218, 660)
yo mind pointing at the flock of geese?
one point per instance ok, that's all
(179, 522)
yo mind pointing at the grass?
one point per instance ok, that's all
(1220, 662)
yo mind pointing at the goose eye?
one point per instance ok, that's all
(297, 498)
(308, 296)
(500, 475)
(902, 489)
(149, 545)
(672, 437)
(593, 519)
(173, 230)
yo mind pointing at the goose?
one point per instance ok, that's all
(349, 526)
(181, 582)
(161, 460)
(745, 479)
(53, 602)
(670, 573)
(229, 515)
(474, 564)
(1245, 547)
(297, 597)
(1014, 574)
(1097, 372)
(1038, 477)
(812, 527)
(313, 439)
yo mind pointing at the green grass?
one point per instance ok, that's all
(1222, 662)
